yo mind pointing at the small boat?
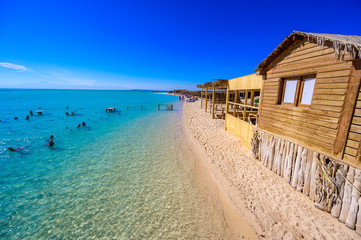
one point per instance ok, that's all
(111, 109)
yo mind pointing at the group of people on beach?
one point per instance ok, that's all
(180, 98)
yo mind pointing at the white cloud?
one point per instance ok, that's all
(14, 66)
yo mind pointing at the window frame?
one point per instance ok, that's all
(298, 92)
(295, 100)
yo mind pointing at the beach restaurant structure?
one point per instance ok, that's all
(309, 126)
(214, 98)
(242, 105)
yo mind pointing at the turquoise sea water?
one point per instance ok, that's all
(123, 176)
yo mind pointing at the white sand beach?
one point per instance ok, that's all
(251, 192)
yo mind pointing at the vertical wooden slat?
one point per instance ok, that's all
(236, 96)
(252, 98)
(245, 103)
(201, 97)
(227, 100)
(206, 100)
(213, 101)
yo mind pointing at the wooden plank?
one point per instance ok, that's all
(328, 97)
(350, 151)
(332, 80)
(327, 102)
(340, 73)
(354, 136)
(326, 107)
(352, 143)
(356, 120)
(331, 91)
(349, 158)
(355, 128)
(331, 85)
(357, 112)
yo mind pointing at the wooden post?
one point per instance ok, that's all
(227, 100)
(348, 108)
(206, 99)
(244, 106)
(213, 101)
(236, 97)
(201, 97)
(252, 98)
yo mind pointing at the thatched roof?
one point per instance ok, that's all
(218, 83)
(348, 43)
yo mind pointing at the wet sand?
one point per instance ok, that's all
(255, 201)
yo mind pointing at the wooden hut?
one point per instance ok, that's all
(309, 128)
(242, 107)
(216, 97)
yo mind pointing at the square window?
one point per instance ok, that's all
(297, 91)
(307, 91)
(290, 91)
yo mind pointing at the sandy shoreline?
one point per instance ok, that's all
(249, 191)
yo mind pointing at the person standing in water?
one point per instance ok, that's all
(51, 141)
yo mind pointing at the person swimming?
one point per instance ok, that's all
(31, 113)
(83, 124)
(27, 117)
(79, 125)
(11, 149)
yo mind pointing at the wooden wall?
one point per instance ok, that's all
(315, 127)
(239, 129)
(252, 81)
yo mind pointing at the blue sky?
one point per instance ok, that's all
(152, 44)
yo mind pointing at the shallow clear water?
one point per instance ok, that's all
(123, 176)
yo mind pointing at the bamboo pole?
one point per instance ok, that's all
(201, 97)
(206, 100)
(213, 101)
